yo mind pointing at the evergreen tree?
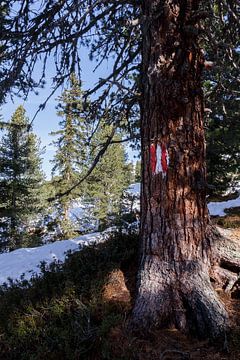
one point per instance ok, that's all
(138, 175)
(109, 179)
(223, 150)
(4, 10)
(71, 155)
(21, 179)
(222, 102)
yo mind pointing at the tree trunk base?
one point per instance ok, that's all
(179, 295)
(183, 294)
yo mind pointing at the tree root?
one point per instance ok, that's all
(167, 353)
(183, 294)
(223, 279)
(226, 261)
(179, 295)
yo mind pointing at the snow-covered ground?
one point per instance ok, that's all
(24, 263)
(27, 260)
(81, 215)
(217, 208)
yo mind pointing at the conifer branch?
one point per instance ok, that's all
(90, 170)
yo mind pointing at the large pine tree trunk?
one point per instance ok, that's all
(174, 283)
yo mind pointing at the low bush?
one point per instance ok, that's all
(62, 315)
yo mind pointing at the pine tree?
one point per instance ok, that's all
(138, 174)
(21, 179)
(4, 10)
(223, 151)
(222, 104)
(71, 155)
(109, 179)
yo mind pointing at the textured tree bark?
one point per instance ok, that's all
(174, 287)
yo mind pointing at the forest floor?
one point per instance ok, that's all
(171, 344)
(79, 310)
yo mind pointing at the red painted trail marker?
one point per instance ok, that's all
(153, 157)
(159, 159)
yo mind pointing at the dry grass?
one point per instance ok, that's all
(230, 220)
(115, 290)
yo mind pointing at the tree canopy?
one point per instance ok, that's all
(34, 32)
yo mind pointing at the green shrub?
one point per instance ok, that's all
(62, 315)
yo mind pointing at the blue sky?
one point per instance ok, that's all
(47, 120)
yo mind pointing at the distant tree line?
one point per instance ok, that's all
(25, 191)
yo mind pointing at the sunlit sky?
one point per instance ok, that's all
(47, 120)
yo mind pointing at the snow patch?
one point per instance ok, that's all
(24, 263)
(134, 189)
(27, 260)
(217, 208)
